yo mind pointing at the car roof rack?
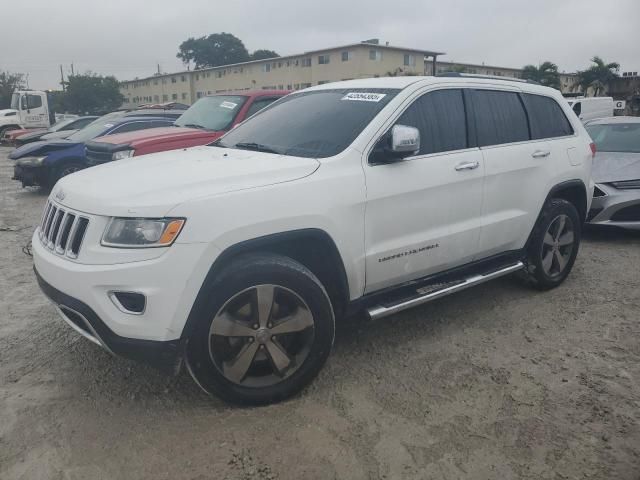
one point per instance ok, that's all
(489, 77)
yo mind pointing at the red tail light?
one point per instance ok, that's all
(593, 149)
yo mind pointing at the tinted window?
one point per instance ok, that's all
(95, 129)
(258, 105)
(315, 124)
(499, 117)
(441, 120)
(82, 122)
(546, 118)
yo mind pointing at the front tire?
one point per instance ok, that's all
(63, 171)
(263, 334)
(553, 246)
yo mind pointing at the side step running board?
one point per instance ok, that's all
(426, 295)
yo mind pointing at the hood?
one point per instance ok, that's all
(4, 111)
(31, 134)
(615, 167)
(151, 185)
(38, 149)
(151, 135)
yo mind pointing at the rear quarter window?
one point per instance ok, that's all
(499, 117)
(546, 117)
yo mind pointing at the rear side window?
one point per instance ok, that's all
(440, 117)
(133, 126)
(546, 117)
(577, 107)
(258, 105)
(499, 117)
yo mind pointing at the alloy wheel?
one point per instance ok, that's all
(261, 336)
(557, 245)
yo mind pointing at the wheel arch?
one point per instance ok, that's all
(313, 248)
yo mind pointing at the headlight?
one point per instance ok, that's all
(142, 232)
(30, 161)
(122, 154)
(627, 184)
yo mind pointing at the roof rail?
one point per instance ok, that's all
(490, 77)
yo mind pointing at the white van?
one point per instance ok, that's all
(593, 107)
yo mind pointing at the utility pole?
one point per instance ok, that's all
(72, 73)
(62, 78)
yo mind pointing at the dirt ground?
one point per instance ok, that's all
(496, 382)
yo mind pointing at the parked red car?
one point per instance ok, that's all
(205, 121)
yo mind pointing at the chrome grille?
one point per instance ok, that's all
(62, 231)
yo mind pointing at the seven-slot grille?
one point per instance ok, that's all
(62, 231)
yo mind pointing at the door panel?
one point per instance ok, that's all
(423, 213)
(34, 112)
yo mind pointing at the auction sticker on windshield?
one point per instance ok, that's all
(229, 105)
(364, 96)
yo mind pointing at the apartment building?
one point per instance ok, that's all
(292, 72)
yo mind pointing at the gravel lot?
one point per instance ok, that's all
(496, 382)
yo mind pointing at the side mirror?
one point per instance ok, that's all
(405, 141)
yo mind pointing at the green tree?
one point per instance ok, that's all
(213, 50)
(545, 74)
(9, 82)
(92, 94)
(261, 54)
(598, 75)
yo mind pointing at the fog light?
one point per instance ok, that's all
(129, 302)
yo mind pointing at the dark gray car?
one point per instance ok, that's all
(616, 172)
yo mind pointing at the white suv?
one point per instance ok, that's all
(369, 195)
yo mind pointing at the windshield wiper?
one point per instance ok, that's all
(194, 125)
(218, 143)
(258, 147)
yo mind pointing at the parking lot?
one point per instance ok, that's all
(498, 382)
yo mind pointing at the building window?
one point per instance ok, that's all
(126, 100)
(305, 85)
(155, 82)
(323, 59)
(409, 60)
(375, 55)
(174, 96)
(165, 98)
(197, 77)
(184, 96)
(346, 56)
(156, 98)
(322, 82)
(266, 67)
(289, 86)
(173, 80)
(199, 94)
(183, 78)
(306, 62)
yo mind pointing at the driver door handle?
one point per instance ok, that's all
(541, 153)
(467, 166)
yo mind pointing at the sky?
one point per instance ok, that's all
(129, 38)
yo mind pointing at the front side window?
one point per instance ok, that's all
(577, 108)
(316, 124)
(499, 117)
(440, 118)
(15, 99)
(212, 113)
(409, 60)
(616, 137)
(96, 128)
(546, 118)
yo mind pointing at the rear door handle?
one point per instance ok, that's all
(541, 153)
(467, 166)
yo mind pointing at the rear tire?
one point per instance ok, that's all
(263, 334)
(553, 246)
(63, 171)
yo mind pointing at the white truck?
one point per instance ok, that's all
(29, 109)
(371, 195)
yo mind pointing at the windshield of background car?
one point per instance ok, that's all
(94, 129)
(315, 124)
(15, 100)
(61, 124)
(212, 113)
(616, 137)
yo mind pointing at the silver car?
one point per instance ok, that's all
(616, 172)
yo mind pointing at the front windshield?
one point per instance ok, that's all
(61, 124)
(212, 113)
(315, 124)
(616, 137)
(15, 101)
(94, 129)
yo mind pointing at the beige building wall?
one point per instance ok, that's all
(283, 73)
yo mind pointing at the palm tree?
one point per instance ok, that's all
(545, 74)
(598, 75)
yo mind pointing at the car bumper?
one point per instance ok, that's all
(82, 293)
(615, 207)
(30, 176)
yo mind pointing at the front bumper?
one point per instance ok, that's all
(615, 207)
(30, 176)
(165, 355)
